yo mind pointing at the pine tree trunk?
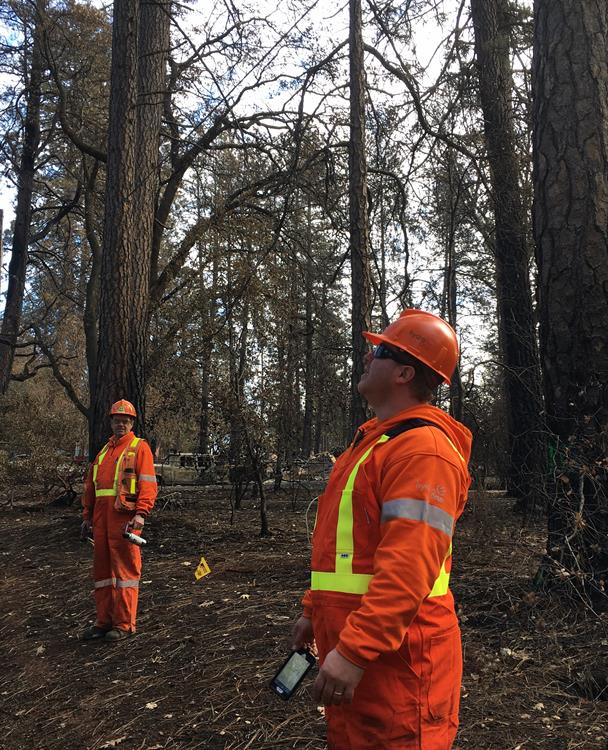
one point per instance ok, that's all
(281, 431)
(570, 76)
(358, 214)
(207, 355)
(153, 51)
(291, 414)
(19, 254)
(91, 306)
(515, 314)
(113, 354)
(308, 336)
(140, 45)
(321, 379)
(238, 358)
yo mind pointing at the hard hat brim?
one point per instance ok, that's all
(378, 338)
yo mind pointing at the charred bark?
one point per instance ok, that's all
(114, 379)
(358, 213)
(153, 51)
(515, 313)
(17, 268)
(570, 76)
(309, 379)
(140, 41)
(91, 305)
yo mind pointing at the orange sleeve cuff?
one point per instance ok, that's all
(351, 656)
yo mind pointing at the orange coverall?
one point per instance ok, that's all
(116, 561)
(381, 557)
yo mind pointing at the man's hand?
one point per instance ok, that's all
(137, 522)
(337, 680)
(86, 529)
(302, 635)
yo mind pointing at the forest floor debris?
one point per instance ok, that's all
(196, 673)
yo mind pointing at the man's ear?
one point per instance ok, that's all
(406, 374)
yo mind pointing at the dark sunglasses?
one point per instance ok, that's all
(382, 351)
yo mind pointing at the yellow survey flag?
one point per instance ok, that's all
(202, 570)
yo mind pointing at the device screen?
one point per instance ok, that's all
(290, 674)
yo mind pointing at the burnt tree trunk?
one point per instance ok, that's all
(91, 305)
(113, 358)
(209, 311)
(358, 213)
(139, 52)
(570, 117)
(309, 379)
(153, 50)
(281, 432)
(238, 359)
(449, 308)
(17, 268)
(291, 403)
(515, 314)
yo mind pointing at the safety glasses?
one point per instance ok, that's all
(382, 351)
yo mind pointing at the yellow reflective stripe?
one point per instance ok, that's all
(115, 484)
(344, 533)
(99, 461)
(344, 580)
(442, 584)
(114, 490)
(358, 583)
(133, 488)
(455, 448)
(353, 583)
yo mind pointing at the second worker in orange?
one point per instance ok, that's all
(120, 491)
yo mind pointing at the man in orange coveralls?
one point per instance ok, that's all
(119, 492)
(379, 606)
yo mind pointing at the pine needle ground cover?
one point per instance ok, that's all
(196, 673)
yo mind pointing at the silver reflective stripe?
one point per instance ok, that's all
(147, 478)
(418, 510)
(105, 582)
(128, 584)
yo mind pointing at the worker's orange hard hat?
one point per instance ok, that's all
(425, 336)
(123, 407)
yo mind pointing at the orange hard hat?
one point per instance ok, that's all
(425, 336)
(123, 407)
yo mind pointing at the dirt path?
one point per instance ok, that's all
(195, 675)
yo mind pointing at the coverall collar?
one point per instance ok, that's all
(121, 442)
(375, 425)
(457, 432)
